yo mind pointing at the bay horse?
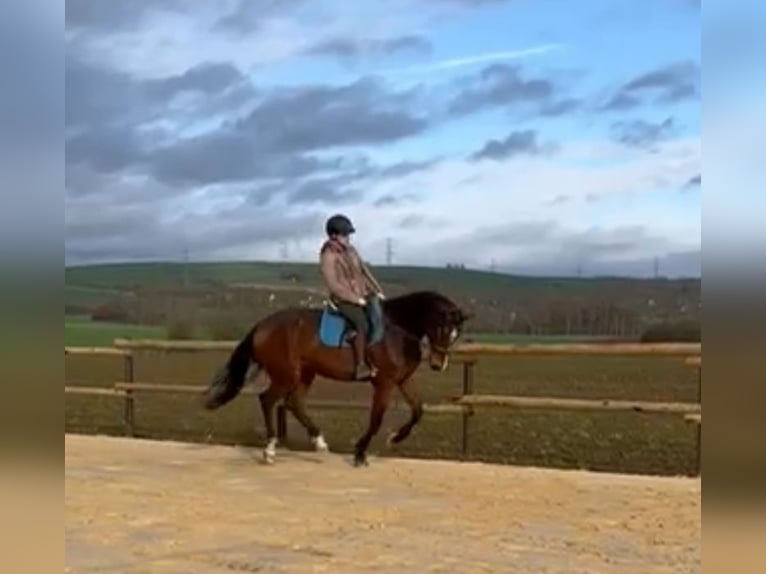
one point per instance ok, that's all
(294, 345)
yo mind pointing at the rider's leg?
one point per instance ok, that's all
(356, 315)
(374, 313)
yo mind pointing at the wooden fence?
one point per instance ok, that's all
(465, 405)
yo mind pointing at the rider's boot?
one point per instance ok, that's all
(363, 370)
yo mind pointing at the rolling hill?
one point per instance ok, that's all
(502, 303)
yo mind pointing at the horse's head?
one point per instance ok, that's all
(430, 315)
(444, 323)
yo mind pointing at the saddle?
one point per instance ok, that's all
(336, 331)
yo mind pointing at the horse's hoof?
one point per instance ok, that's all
(270, 452)
(320, 445)
(268, 458)
(361, 460)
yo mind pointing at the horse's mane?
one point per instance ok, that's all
(412, 311)
(415, 300)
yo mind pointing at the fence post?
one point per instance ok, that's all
(468, 365)
(129, 406)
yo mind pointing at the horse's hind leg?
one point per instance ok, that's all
(268, 399)
(296, 404)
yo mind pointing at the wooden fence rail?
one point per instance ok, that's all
(460, 351)
(553, 403)
(465, 405)
(98, 351)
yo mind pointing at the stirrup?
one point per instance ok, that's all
(364, 372)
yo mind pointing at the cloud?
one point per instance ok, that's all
(695, 182)
(420, 221)
(391, 200)
(405, 167)
(498, 193)
(312, 117)
(206, 78)
(112, 118)
(99, 96)
(326, 191)
(142, 232)
(473, 60)
(547, 246)
(517, 143)
(108, 149)
(277, 136)
(561, 107)
(350, 48)
(113, 15)
(410, 221)
(248, 16)
(227, 156)
(119, 123)
(671, 83)
(504, 86)
(641, 133)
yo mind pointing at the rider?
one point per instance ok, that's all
(350, 284)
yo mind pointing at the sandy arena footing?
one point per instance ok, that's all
(139, 506)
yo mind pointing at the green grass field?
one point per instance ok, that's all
(80, 331)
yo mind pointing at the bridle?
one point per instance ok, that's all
(441, 349)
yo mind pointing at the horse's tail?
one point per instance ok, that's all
(228, 382)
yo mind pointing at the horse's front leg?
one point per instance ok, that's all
(380, 399)
(407, 388)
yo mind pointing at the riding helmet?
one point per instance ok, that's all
(339, 225)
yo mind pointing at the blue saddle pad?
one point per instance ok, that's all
(333, 327)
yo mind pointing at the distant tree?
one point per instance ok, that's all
(114, 311)
(181, 328)
(673, 332)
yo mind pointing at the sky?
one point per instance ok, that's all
(517, 135)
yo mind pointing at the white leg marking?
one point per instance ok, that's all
(270, 452)
(445, 363)
(320, 445)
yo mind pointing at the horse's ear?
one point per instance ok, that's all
(465, 316)
(461, 316)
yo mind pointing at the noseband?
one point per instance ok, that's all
(439, 349)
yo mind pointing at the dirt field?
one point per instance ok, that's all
(162, 507)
